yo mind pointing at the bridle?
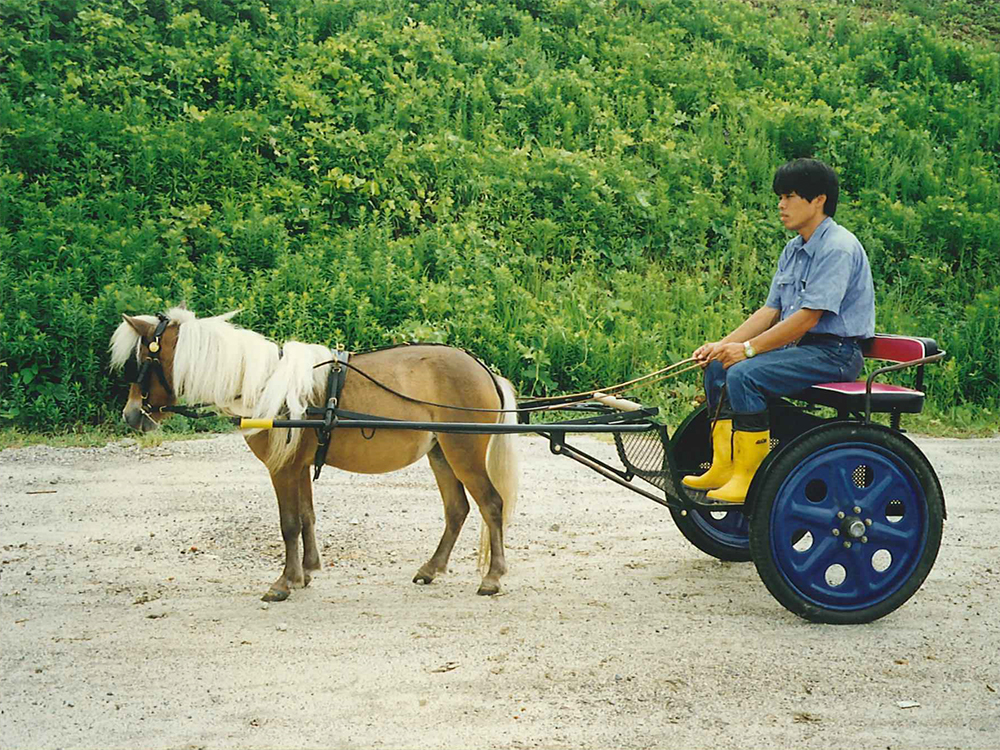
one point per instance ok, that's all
(142, 373)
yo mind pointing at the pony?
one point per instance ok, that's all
(243, 374)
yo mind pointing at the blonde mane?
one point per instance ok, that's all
(238, 371)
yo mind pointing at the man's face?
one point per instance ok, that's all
(798, 213)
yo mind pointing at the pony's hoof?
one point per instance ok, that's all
(274, 595)
(488, 590)
(422, 579)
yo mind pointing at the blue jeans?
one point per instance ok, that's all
(782, 372)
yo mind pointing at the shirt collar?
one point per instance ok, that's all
(817, 237)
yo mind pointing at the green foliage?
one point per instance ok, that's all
(578, 191)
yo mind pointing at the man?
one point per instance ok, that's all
(820, 306)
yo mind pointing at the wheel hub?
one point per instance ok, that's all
(853, 527)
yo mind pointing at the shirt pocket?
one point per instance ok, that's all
(785, 285)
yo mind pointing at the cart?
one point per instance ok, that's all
(844, 518)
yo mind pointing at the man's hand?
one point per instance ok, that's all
(726, 353)
(730, 354)
(729, 350)
(706, 353)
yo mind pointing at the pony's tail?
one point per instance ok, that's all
(502, 469)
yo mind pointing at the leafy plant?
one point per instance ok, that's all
(579, 192)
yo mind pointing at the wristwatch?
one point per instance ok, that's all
(748, 350)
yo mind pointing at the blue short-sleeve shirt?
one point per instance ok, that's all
(830, 272)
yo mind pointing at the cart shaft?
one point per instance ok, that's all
(468, 428)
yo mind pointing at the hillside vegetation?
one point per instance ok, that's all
(577, 191)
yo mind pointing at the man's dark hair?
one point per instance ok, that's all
(808, 178)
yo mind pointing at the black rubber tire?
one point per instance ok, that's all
(726, 537)
(896, 479)
(698, 529)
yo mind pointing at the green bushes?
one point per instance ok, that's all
(580, 192)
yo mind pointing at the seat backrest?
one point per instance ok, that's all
(892, 348)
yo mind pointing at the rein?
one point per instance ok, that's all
(152, 365)
(544, 404)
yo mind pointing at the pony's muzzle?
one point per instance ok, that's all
(137, 419)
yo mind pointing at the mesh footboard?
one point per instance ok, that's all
(645, 455)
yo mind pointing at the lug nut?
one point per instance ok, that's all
(840, 514)
(857, 509)
(864, 540)
(836, 532)
(868, 522)
(847, 545)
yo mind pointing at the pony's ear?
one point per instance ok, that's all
(139, 326)
(183, 305)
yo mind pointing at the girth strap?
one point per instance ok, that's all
(334, 387)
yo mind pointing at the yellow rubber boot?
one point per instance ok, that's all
(721, 470)
(749, 450)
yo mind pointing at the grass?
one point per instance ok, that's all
(576, 191)
(94, 436)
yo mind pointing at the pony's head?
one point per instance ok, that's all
(178, 355)
(144, 347)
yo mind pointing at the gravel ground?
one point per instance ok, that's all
(130, 616)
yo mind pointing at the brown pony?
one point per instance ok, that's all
(241, 373)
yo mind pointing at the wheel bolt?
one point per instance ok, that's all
(840, 514)
(836, 532)
(864, 540)
(847, 545)
(857, 509)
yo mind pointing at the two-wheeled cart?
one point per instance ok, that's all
(843, 520)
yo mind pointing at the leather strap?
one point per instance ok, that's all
(334, 386)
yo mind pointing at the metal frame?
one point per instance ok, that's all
(919, 363)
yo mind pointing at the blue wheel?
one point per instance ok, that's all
(847, 523)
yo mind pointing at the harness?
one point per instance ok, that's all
(334, 386)
(142, 375)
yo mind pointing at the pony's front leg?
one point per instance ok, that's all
(311, 562)
(294, 493)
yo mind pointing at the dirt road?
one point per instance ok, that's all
(130, 616)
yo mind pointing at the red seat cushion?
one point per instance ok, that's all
(885, 396)
(851, 397)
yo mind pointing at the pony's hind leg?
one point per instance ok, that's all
(491, 506)
(294, 492)
(456, 508)
(467, 457)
